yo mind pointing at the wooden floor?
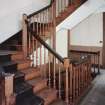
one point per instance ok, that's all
(96, 95)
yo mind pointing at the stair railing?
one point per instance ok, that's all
(39, 35)
(44, 22)
(52, 65)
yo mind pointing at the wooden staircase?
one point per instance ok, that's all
(35, 80)
(27, 78)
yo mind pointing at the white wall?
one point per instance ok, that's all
(87, 9)
(89, 32)
(11, 15)
(61, 42)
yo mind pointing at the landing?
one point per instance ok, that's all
(96, 96)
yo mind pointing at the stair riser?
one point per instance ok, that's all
(24, 65)
(32, 75)
(10, 68)
(50, 99)
(5, 58)
(9, 57)
(19, 97)
(17, 57)
(19, 80)
(38, 87)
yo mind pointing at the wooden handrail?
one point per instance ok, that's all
(88, 52)
(34, 13)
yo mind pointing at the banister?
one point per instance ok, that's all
(34, 13)
(46, 45)
(88, 52)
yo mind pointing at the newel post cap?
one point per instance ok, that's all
(66, 62)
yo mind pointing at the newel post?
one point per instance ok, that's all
(24, 36)
(66, 66)
(9, 94)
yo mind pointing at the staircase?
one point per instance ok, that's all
(38, 66)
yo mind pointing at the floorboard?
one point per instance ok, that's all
(96, 95)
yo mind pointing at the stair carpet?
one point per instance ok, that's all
(29, 86)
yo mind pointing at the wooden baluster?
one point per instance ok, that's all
(24, 36)
(59, 79)
(79, 79)
(77, 82)
(37, 25)
(60, 6)
(84, 76)
(74, 83)
(71, 84)
(33, 46)
(54, 81)
(64, 4)
(88, 77)
(45, 62)
(49, 70)
(54, 26)
(87, 74)
(48, 20)
(49, 17)
(40, 56)
(44, 18)
(90, 65)
(66, 66)
(29, 41)
(36, 45)
(98, 62)
(43, 25)
(40, 21)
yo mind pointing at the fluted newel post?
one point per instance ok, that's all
(9, 95)
(66, 66)
(24, 36)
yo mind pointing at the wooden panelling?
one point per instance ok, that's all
(88, 48)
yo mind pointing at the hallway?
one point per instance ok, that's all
(96, 95)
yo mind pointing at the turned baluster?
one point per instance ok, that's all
(44, 62)
(98, 62)
(54, 75)
(49, 70)
(66, 66)
(59, 68)
(71, 83)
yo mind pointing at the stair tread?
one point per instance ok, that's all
(58, 102)
(31, 73)
(30, 70)
(18, 74)
(22, 61)
(33, 100)
(36, 81)
(6, 52)
(22, 87)
(7, 63)
(46, 92)
(14, 62)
